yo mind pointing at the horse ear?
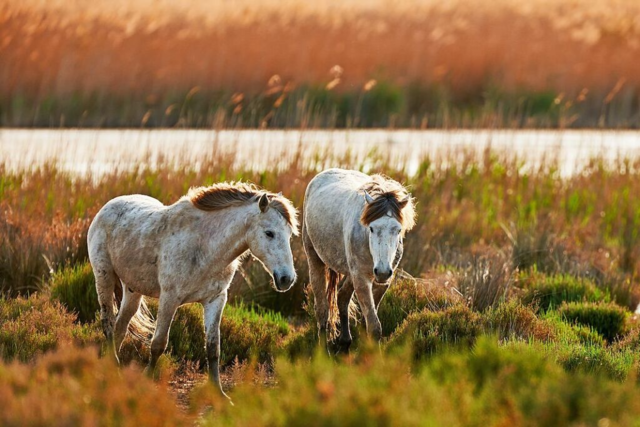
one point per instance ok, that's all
(263, 203)
(402, 203)
(279, 194)
(367, 197)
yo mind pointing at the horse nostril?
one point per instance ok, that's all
(375, 271)
(284, 280)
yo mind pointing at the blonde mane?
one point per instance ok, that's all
(388, 196)
(229, 194)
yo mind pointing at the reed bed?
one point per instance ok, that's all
(413, 63)
(518, 295)
(472, 211)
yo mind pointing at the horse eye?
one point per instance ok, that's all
(371, 229)
(269, 234)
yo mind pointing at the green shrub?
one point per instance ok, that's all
(34, 325)
(249, 331)
(301, 343)
(72, 387)
(74, 286)
(407, 296)
(428, 332)
(186, 338)
(488, 385)
(594, 359)
(514, 320)
(572, 333)
(548, 292)
(608, 319)
(245, 332)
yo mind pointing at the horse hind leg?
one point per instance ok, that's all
(128, 308)
(106, 281)
(345, 293)
(318, 281)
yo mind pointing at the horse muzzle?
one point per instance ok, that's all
(284, 281)
(382, 275)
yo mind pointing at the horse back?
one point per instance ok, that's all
(332, 208)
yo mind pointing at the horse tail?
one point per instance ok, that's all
(333, 278)
(143, 324)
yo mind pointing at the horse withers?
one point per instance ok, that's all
(353, 227)
(186, 252)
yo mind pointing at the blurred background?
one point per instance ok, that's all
(296, 64)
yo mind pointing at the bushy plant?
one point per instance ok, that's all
(428, 332)
(300, 343)
(607, 318)
(571, 333)
(594, 359)
(548, 292)
(74, 286)
(248, 331)
(186, 338)
(245, 332)
(34, 325)
(73, 387)
(490, 384)
(514, 320)
(408, 295)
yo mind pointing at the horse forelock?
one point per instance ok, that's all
(388, 196)
(226, 195)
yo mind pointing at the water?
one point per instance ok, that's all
(97, 151)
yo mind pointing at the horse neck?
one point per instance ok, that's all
(232, 224)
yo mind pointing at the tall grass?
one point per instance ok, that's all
(418, 63)
(466, 209)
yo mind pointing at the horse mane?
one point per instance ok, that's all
(230, 194)
(388, 197)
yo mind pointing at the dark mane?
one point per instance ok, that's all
(225, 195)
(389, 196)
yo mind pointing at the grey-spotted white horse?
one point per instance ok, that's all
(186, 252)
(353, 227)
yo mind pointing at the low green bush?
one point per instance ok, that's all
(249, 331)
(245, 332)
(34, 325)
(594, 359)
(514, 320)
(428, 332)
(608, 319)
(490, 384)
(74, 286)
(407, 296)
(572, 333)
(547, 292)
(300, 343)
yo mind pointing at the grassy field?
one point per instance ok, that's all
(516, 308)
(411, 63)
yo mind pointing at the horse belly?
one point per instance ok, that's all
(137, 272)
(135, 258)
(325, 230)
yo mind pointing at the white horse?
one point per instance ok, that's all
(186, 252)
(353, 226)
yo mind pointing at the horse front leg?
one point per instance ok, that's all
(379, 289)
(364, 292)
(212, 317)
